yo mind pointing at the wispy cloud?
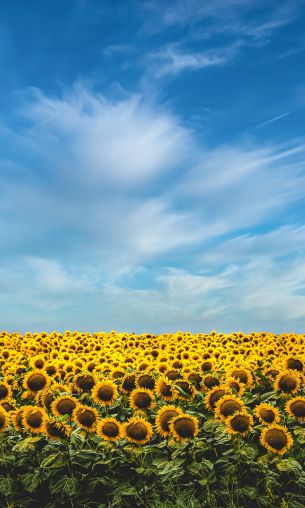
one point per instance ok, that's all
(113, 195)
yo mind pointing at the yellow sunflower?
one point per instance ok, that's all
(288, 381)
(239, 423)
(184, 427)
(227, 406)
(267, 414)
(214, 395)
(142, 399)
(5, 391)
(276, 439)
(33, 419)
(56, 431)
(36, 381)
(64, 405)
(296, 408)
(4, 420)
(105, 393)
(163, 418)
(165, 389)
(137, 430)
(109, 429)
(85, 417)
(84, 383)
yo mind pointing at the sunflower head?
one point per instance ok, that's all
(86, 417)
(36, 381)
(276, 439)
(294, 364)
(33, 419)
(288, 381)
(109, 429)
(296, 408)
(184, 427)
(163, 418)
(227, 406)
(214, 395)
(235, 386)
(239, 423)
(145, 380)
(267, 414)
(105, 393)
(128, 383)
(137, 430)
(63, 405)
(84, 383)
(4, 420)
(142, 399)
(242, 375)
(56, 431)
(5, 391)
(17, 419)
(165, 389)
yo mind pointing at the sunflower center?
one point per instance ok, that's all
(146, 381)
(165, 390)
(276, 438)
(298, 408)
(39, 364)
(211, 381)
(240, 423)
(3, 392)
(34, 420)
(86, 417)
(142, 400)
(37, 382)
(267, 415)
(66, 406)
(105, 393)
(129, 383)
(137, 431)
(294, 364)
(216, 396)
(2, 420)
(56, 430)
(184, 427)
(166, 417)
(110, 429)
(206, 366)
(287, 383)
(228, 407)
(85, 383)
(241, 375)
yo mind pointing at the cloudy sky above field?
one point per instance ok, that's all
(152, 172)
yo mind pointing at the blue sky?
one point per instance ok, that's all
(152, 173)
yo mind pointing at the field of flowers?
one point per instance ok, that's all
(174, 420)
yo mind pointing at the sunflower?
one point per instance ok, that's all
(84, 383)
(165, 390)
(56, 431)
(276, 438)
(5, 391)
(17, 419)
(209, 381)
(288, 381)
(63, 405)
(128, 383)
(267, 414)
(188, 390)
(227, 406)
(36, 381)
(195, 378)
(184, 427)
(33, 419)
(142, 399)
(4, 420)
(235, 385)
(296, 408)
(294, 364)
(105, 393)
(145, 380)
(239, 423)
(163, 418)
(242, 375)
(214, 395)
(85, 417)
(137, 430)
(109, 429)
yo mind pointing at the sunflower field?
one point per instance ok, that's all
(174, 420)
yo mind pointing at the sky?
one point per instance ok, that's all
(152, 165)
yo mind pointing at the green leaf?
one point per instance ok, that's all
(26, 444)
(7, 486)
(290, 466)
(30, 481)
(300, 435)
